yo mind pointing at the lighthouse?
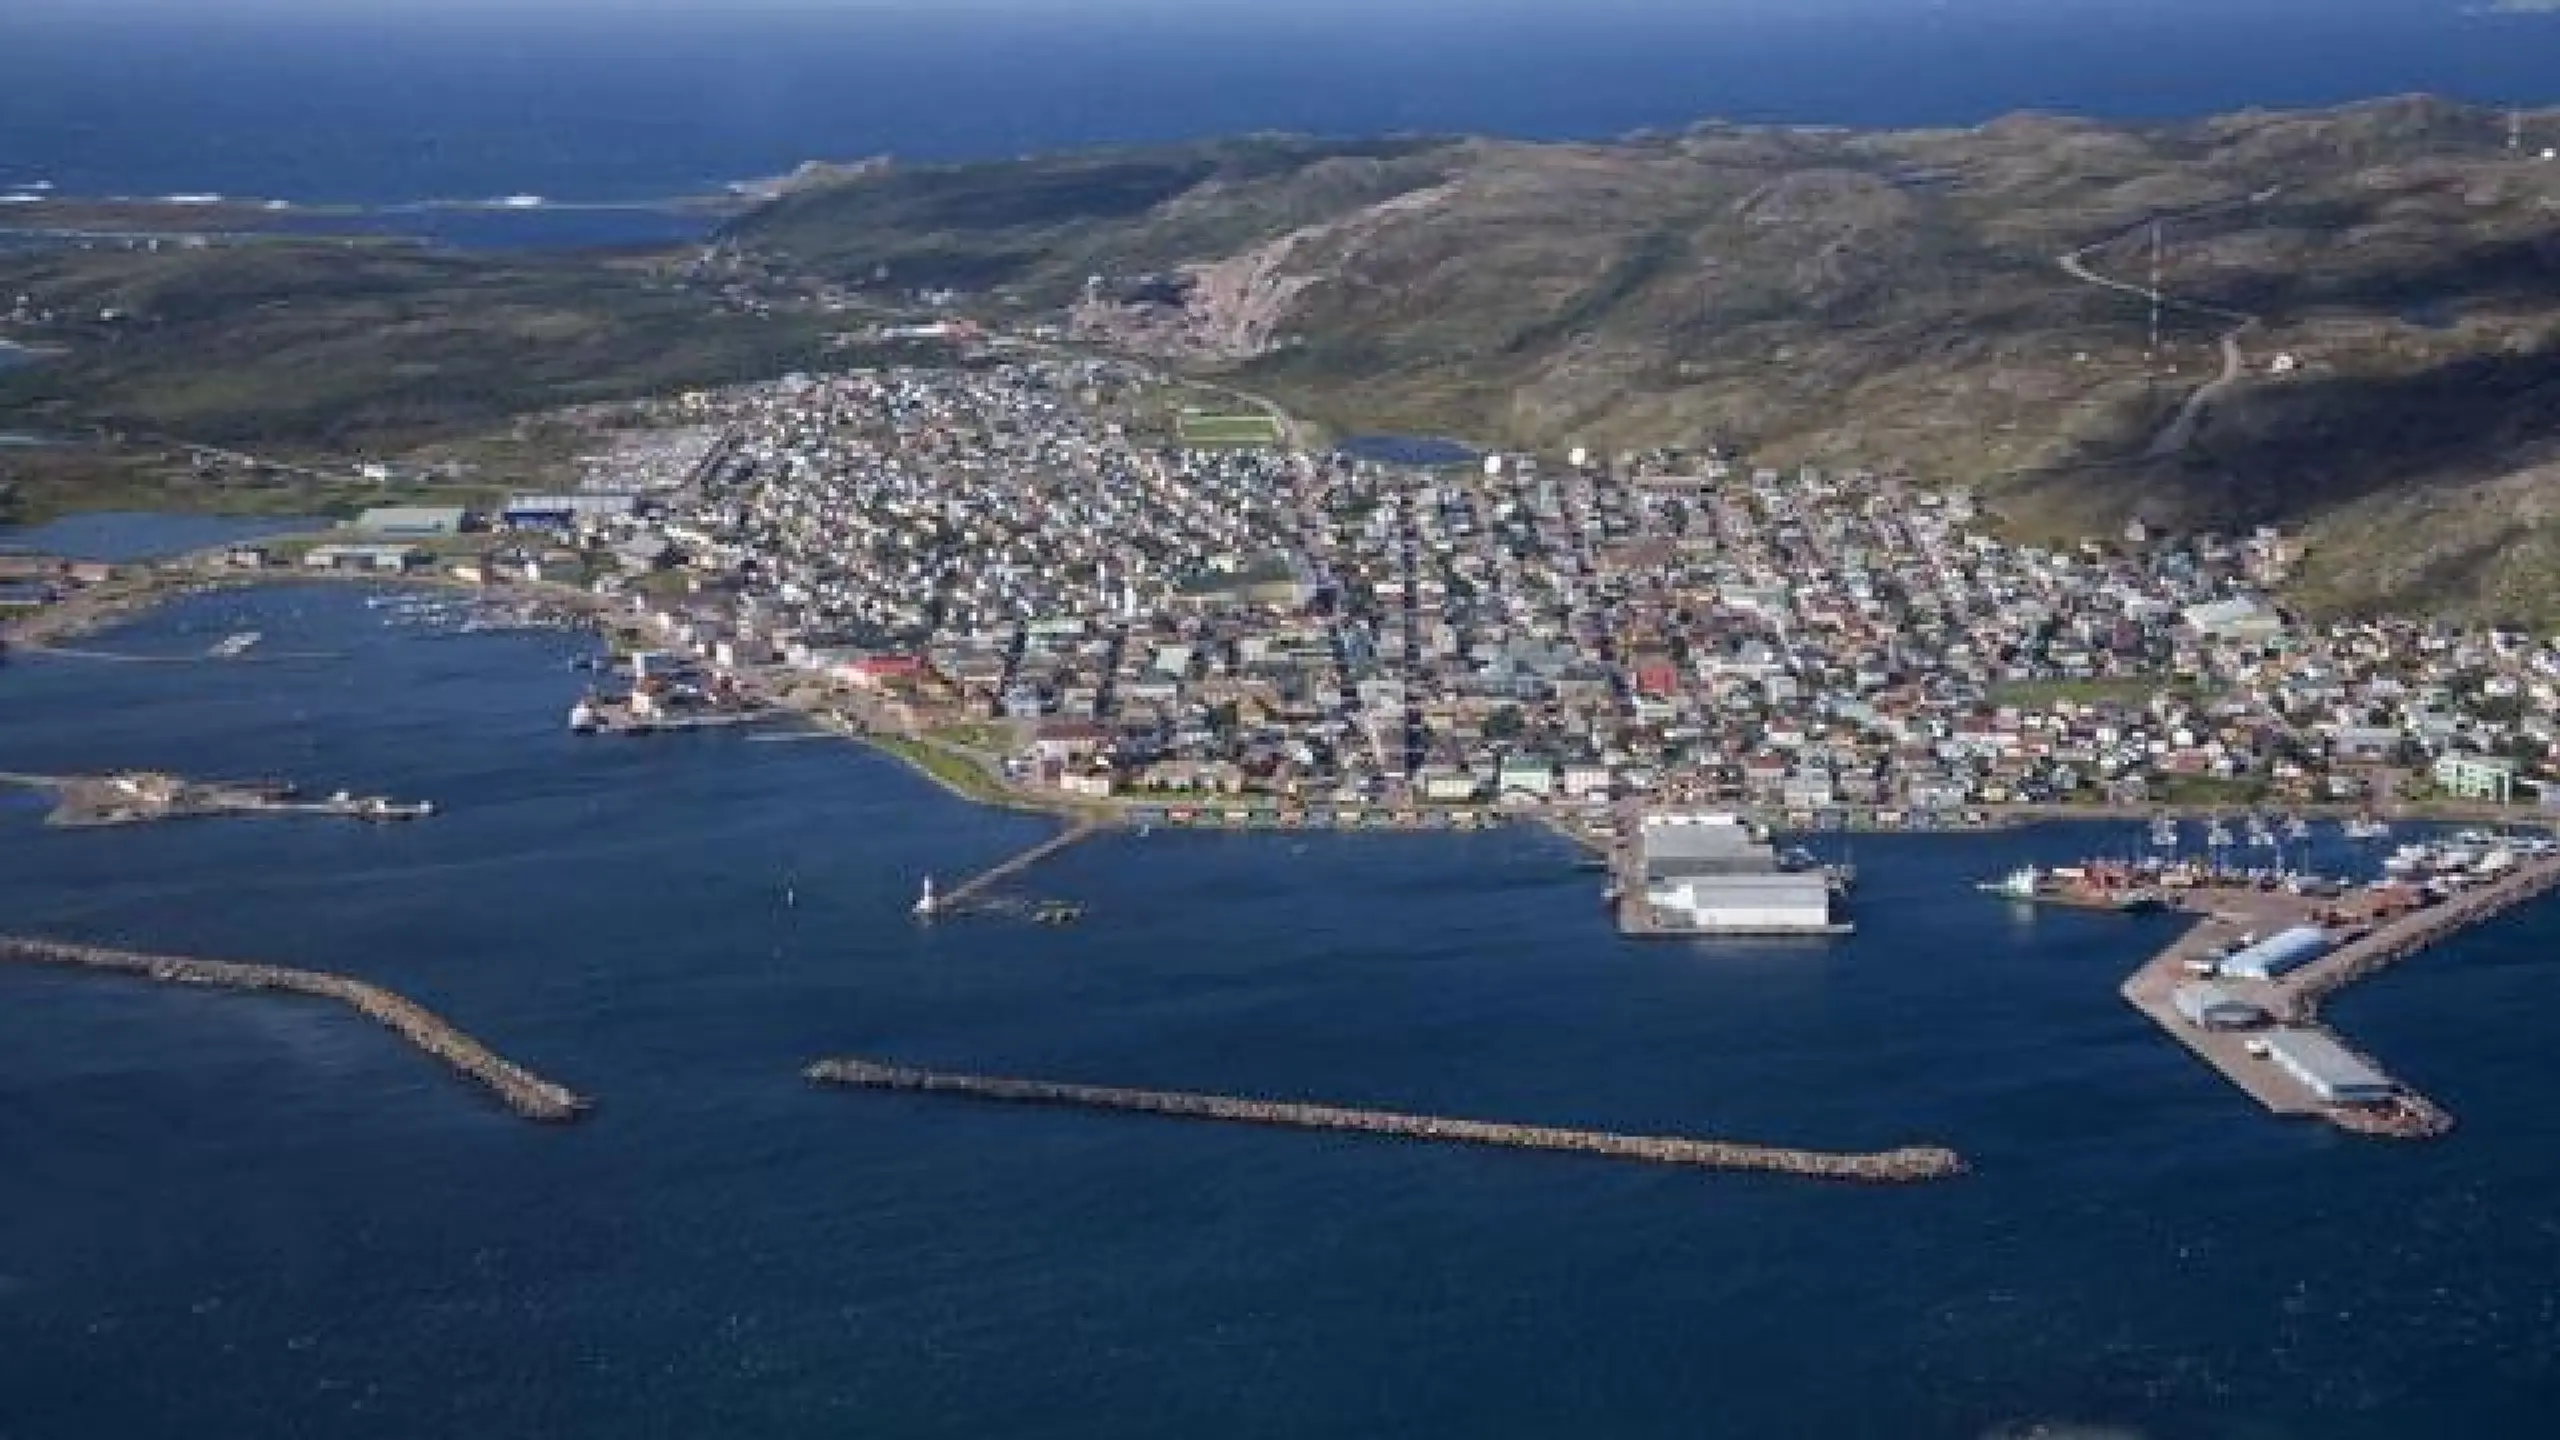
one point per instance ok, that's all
(925, 902)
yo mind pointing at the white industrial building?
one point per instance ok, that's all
(1714, 874)
(2210, 1007)
(2326, 1069)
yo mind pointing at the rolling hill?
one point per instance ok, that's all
(1888, 299)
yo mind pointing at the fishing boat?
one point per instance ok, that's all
(2024, 883)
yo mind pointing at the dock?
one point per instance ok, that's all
(519, 1089)
(2294, 999)
(1901, 1166)
(978, 885)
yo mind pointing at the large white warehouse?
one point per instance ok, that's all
(1714, 875)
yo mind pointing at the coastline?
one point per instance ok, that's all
(967, 777)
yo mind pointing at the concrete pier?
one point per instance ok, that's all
(2294, 999)
(1905, 1165)
(979, 884)
(519, 1089)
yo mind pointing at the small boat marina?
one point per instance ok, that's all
(2242, 987)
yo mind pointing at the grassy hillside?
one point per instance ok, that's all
(336, 348)
(1039, 226)
(1889, 299)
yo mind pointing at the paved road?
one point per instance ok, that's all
(2181, 429)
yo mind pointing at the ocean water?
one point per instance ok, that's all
(226, 1214)
(124, 537)
(593, 100)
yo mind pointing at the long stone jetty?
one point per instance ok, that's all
(1905, 1165)
(519, 1089)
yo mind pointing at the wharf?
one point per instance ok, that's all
(2293, 999)
(88, 801)
(1640, 919)
(519, 1089)
(1902, 1166)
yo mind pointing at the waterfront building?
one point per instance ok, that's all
(2476, 777)
(2210, 1007)
(393, 559)
(2278, 954)
(2326, 1069)
(1716, 874)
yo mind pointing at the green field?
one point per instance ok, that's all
(1198, 428)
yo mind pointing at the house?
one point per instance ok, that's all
(1063, 740)
(1526, 773)
(1584, 781)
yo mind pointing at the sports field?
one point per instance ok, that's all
(1201, 428)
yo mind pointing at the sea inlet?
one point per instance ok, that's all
(226, 1214)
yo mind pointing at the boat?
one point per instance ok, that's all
(234, 646)
(2164, 833)
(2217, 834)
(2366, 827)
(2024, 883)
(583, 719)
(2259, 835)
(925, 903)
(2296, 828)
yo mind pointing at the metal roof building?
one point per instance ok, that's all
(556, 511)
(2210, 1007)
(2326, 1069)
(2279, 954)
(412, 520)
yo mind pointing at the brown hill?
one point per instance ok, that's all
(1891, 299)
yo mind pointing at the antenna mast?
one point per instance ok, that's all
(2153, 354)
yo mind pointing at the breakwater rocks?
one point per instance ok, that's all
(1889, 1167)
(519, 1089)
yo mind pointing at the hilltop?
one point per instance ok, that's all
(1893, 299)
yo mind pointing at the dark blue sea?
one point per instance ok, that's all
(615, 100)
(238, 1215)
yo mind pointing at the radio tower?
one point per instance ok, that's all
(2153, 353)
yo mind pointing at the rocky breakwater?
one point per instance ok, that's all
(1905, 1165)
(519, 1089)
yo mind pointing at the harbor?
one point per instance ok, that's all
(520, 1090)
(1907, 1165)
(139, 797)
(2243, 986)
